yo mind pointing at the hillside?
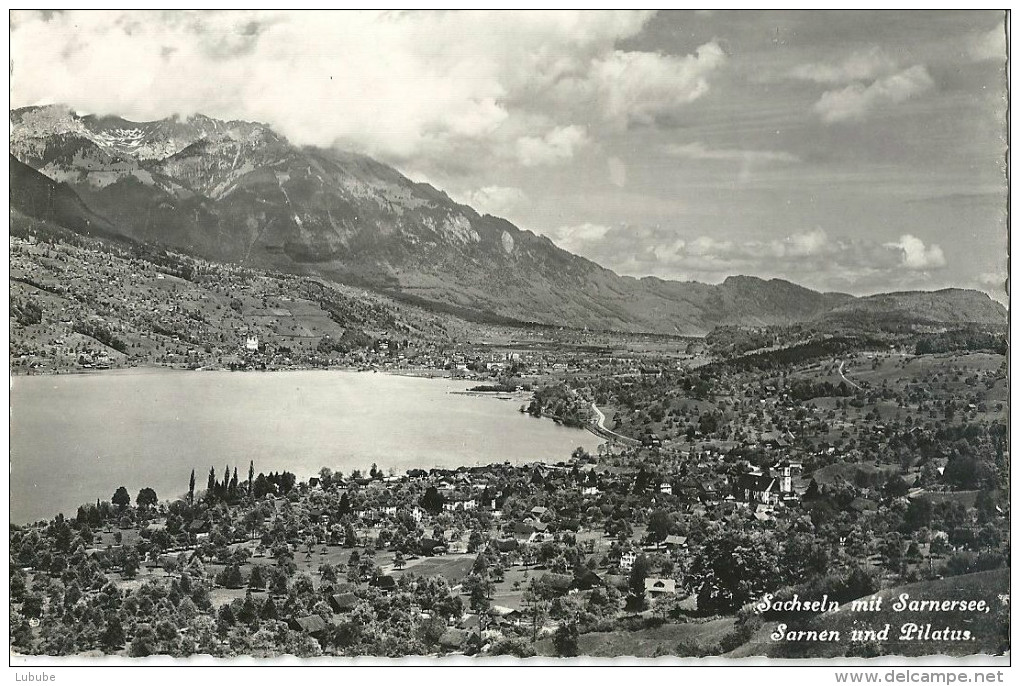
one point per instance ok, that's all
(932, 308)
(80, 301)
(237, 192)
(36, 195)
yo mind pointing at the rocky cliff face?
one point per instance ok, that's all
(236, 191)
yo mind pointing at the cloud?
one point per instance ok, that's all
(699, 151)
(992, 278)
(804, 244)
(916, 255)
(495, 200)
(397, 85)
(617, 172)
(639, 87)
(864, 65)
(438, 94)
(812, 257)
(995, 284)
(989, 46)
(576, 238)
(857, 100)
(556, 146)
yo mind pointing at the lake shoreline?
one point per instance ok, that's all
(149, 427)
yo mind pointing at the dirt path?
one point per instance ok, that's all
(601, 425)
(841, 363)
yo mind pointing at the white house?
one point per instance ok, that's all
(657, 587)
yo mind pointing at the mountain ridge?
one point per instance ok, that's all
(238, 192)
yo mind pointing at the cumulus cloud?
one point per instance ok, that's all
(557, 145)
(992, 278)
(995, 284)
(856, 101)
(639, 87)
(811, 257)
(916, 255)
(863, 65)
(988, 46)
(495, 200)
(699, 151)
(804, 244)
(578, 237)
(392, 84)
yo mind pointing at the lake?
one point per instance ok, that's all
(76, 438)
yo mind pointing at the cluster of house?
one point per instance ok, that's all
(770, 487)
(486, 488)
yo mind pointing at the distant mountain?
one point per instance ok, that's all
(236, 191)
(933, 308)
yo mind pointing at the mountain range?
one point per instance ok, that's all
(238, 192)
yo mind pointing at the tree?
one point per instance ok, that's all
(638, 574)
(732, 568)
(269, 610)
(964, 471)
(129, 568)
(480, 595)
(398, 560)
(146, 498)
(350, 538)
(112, 637)
(660, 525)
(565, 639)
(534, 600)
(121, 498)
(636, 583)
(32, 606)
(170, 565)
(251, 475)
(257, 579)
(431, 630)
(327, 573)
(278, 583)
(895, 487)
(918, 514)
(230, 577)
(432, 502)
(211, 484)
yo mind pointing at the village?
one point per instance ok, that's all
(843, 462)
(83, 305)
(527, 559)
(519, 548)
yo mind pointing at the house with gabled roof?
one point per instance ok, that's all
(313, 625)
(343, 602)
(659, 587)
(674, 542)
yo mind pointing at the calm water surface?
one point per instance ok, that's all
(76, 438)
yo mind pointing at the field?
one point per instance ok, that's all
(653, 642)
(451, 567)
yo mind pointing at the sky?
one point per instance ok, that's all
(847, 151)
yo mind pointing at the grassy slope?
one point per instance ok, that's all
(662, 640)
(986, 628)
